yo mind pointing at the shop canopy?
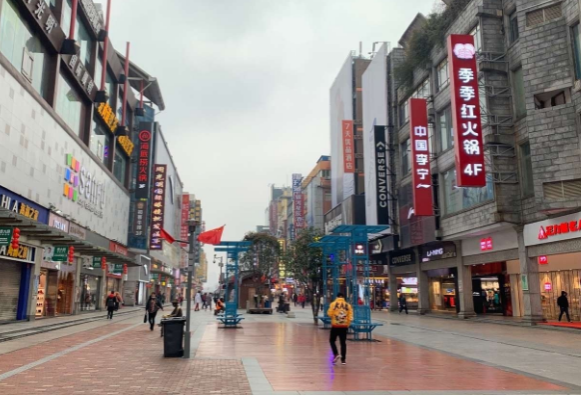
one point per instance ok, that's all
(51, 236)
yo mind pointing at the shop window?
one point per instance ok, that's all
(120, 165)
(446, 129)
(457, 198)
(553, 98)
(23, 49)
(518, 88)
(513, 33)
(406, 162)
(100, 141)
(68, 104)
(526, 168)
(443, 74)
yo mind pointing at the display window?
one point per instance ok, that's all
(443, 290)
(555, 282)
(90, 292)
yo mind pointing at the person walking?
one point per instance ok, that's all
(295, 299)
(403, 303)
(563, 304)
(111, 303)
(152, 306)
(198, 301)
(209, 302)
(341, 314)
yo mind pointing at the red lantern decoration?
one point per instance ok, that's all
(71, 254)
(125, 269)
(15, 239)
(104, 263)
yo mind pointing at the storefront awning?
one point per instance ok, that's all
(52, 236)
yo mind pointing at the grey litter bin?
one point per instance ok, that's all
(173, 337)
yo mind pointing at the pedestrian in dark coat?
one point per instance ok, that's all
(563, 304)
(152, 306)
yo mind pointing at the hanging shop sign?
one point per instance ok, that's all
(562, 228)
(422, 175)
(81, 186)
(40, 11)
(139, 222)
(99, 262)
(486, 244)
(5, 236)
(19, 205)
(60, 254)
(436, 251)
(82, 75)
(116, 269)
(402, 258)
(348, 147)
(185, 214)
(543, 260)
(298, 203)
(58, 222)
(108, 116)
(126, 144)
(143, 161)
(93, 15)
(118, 248)
(24, 253)
(77, 231)
(381, 176)
(158, 206)
(468, 144)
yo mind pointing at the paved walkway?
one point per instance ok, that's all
(275, 355)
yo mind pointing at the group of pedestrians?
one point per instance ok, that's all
(299, 300)
(205, 301)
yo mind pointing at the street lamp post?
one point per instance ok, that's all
(191, 267)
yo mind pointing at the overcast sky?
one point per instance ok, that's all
(246, 87)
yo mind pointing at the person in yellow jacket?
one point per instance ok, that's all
(341, 314)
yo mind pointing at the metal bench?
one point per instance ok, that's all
(230, 317)
(325, 319)
(362, 324)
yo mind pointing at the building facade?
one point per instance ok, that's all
(316, 189)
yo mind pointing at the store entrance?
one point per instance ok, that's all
(491, 291)
(443, 290)
(552, 284)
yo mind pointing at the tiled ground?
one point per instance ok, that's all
(295, 357)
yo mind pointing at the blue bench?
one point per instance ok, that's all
(325, 320)
(230, 317)
(362, 326)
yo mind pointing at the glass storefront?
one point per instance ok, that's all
(55, 292)
(443, 290)
(90, 292)
(552, 284)
(491, 289)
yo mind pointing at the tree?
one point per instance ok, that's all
(262, 257)
(305, 264)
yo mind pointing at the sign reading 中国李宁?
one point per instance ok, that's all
(470, 171)
(422, 175)
(5, 235)
(381, 176)
(157, 206)
(143, 161)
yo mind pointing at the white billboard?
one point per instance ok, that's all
(374, 85)
(341, 95)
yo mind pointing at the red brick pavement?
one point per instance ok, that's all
(128, 363)
(296, 357)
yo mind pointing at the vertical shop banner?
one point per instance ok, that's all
(468, 145)
(381, 176)
(157, 206)
(348, 147)
(143, 160)
(139, 220)
(422, 176)
(298, 203)
(185, 216)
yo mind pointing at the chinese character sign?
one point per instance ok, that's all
(348, 148)
(422, 176)
(157, 206)
(185, 215)
(143, 161)
(466, 112)
(298, 203)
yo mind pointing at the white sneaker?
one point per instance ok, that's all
(343, 363)
(336, 359)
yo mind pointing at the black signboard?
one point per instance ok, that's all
(381, 176)
(436, 251)
(143, 161)
(402, 258)
(45, 21)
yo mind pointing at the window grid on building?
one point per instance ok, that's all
(547, 14)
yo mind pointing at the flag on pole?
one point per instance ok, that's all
(213, 236)
(166, 236)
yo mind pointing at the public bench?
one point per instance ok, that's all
(230, 317)
(362, 326)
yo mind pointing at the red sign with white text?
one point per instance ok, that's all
(185, 217)
(422, 176)
(543, 260)
(486, 244)
(348, 148)
(466, 116)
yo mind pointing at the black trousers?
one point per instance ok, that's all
(151, 318)
(564, 310)
(402, 308)
(110, 313)
(342, 333)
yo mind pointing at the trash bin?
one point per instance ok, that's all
(173, 337)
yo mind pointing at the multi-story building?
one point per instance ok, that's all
(316, 188)
(280, 199)
(512, 246)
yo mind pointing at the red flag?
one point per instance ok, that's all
(166, 236)
(213, 236)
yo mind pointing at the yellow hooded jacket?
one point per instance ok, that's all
(341, 313)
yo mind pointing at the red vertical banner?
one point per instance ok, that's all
(422, 175)
(348, 148)
(468, 146)
(185, 217)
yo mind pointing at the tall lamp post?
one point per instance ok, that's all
(191, 267)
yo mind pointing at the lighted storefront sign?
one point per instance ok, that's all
(158, 206)
(118, 248)
(143, 161)
(402, 258)
(381, 176)
(108, 116)
(58, 222)
(19, 205)
(298, 203)
(486, 244)
(466, 116)
(422, 175)
(548, 287)
(360, 249)
(348, 147)
(139, 223)
(543, 260)
(436, 251)
(126, 144)
(24, 253)
(82, 187)
(409, 281)
(555, 229)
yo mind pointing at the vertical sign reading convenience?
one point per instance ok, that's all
(157, 206)
(419, 141)
(298, 207)
(185, 217)
(143, 161)
(468, 145)
(348, 148)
